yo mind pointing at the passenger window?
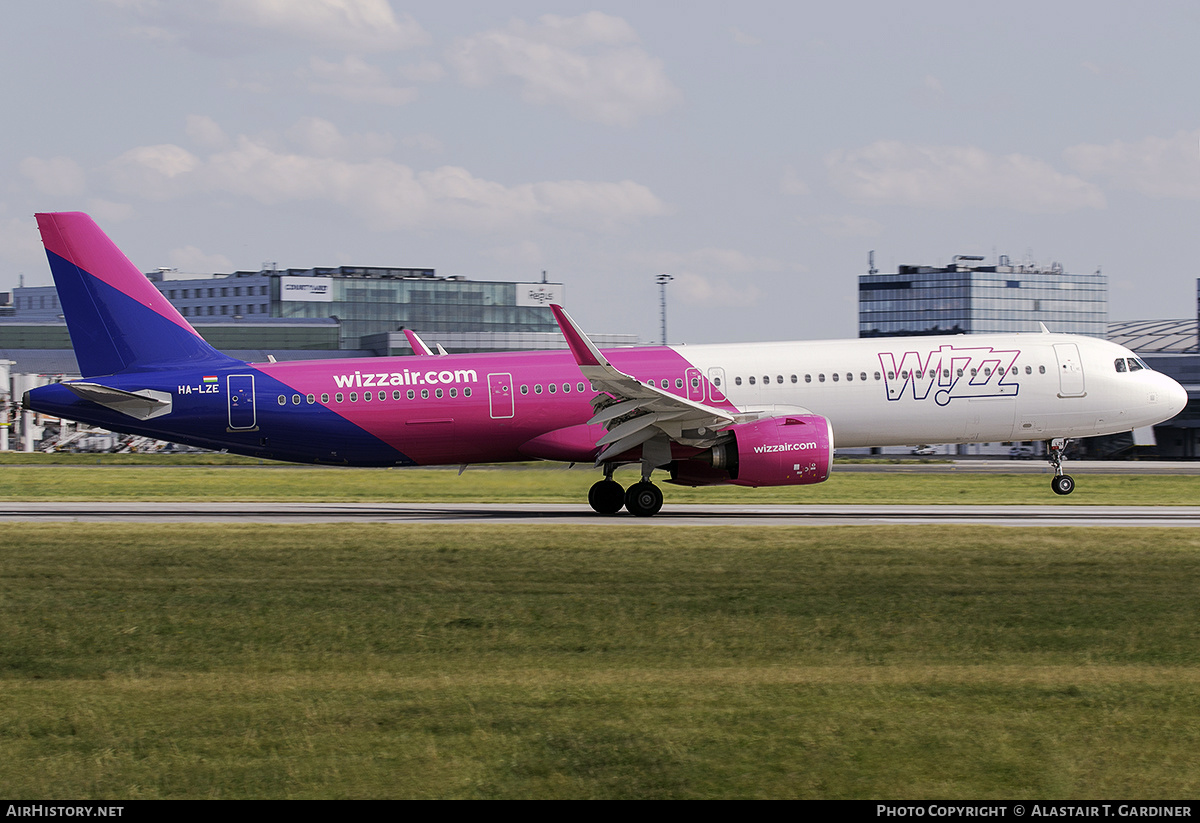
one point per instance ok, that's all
(396, 394)
(282, 400)
(537, 388)
(737, 381)
(454, 392)
(679, 382)
(353, 397)
(312, 398)
(411, 394)
(960, 372)
(438, 394)
(820, 378)
(751, 381)
(717, 382)
(340, 397)
(1041, 369)
(424, 394)
(795, 379)
(367, 396)
(766, 379)
(579, 386)
(324, 398)
(567, 387)
(779, 378)
(835, 377)
(974, 372)
(863, 377)
(1029, 369)
(891, 375)
(849, 377)
(383, 395)
(695, 383)
(808, 378)
(467, 392)
(876, 375)
(524, 390)
(552, 388)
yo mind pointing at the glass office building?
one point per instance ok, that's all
(968, 298)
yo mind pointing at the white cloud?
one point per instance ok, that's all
(791, 182)
(351, 25)
(589, 65)
(354, 80)
(153, 172)
(893, 173)
(848, 225)
(387, 194)
(205, 132)
(320, 137)
(105, 212)
(56, 176)
(700, 290)
(192, 260)
(20, 242)
(1167, 167)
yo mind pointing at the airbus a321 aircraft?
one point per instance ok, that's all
(755, 414)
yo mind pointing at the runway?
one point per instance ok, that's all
(580, 515)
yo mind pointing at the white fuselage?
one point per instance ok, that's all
(946, 389)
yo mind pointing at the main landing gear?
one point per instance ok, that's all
(642, 499)
(1062, 483)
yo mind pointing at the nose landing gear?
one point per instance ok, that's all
(1062, 483)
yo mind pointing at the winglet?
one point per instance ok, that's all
(584, 350)
(418, 345)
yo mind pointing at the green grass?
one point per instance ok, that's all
(408, 661)
(557, 484)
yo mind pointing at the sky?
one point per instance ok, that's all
(755, 151)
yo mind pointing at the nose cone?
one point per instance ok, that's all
(1177, 396)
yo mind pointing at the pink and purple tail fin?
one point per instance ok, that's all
(117, 319)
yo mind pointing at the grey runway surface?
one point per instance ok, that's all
(557, 514)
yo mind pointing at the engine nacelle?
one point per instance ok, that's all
(790, 450)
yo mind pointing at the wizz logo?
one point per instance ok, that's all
(951, 372)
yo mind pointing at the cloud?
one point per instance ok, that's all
(848, 225)
(1161, 167)
(949, 177)
(354, 80)
(357, 26)
(192, 260)
(700, 290)
(106, 211)
(588, 65)
(387, 194)
(742, 38)
(702, 276)
(20, 242)
(791, 182)
(320, 137)
(205, 132)
(56, 176)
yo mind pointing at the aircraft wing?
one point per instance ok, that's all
(633, 412)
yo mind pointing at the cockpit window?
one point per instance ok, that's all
(1120, 364)
(1135, 364)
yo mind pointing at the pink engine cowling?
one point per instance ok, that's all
(790, 450)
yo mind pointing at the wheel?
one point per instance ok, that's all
(643, 499)
(1063, 484)
(606, 497)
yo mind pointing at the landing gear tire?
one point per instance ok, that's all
(606, 497)
(1063, 484)
(643, 499)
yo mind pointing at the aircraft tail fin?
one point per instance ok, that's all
(117, 319)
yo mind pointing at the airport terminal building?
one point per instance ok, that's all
(968, 297)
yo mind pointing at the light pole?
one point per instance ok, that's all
(663, 280)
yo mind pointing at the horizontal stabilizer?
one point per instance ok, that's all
(142, 405)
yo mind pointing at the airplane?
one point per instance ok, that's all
(754, 414)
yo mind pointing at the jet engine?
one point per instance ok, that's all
(790, 450)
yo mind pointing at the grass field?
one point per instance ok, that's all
(554, 483)
(410, 661)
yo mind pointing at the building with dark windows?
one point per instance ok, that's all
(967, 297)
(364, 302)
